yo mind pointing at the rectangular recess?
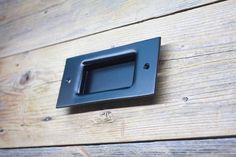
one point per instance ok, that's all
(128, 71)
(108, 73)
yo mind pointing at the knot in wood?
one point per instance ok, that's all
(25, 78)
(107, 116)
(104, 117)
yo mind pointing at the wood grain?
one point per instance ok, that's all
(27, 25)
(187, 148)
(196, 89)
(16, 10)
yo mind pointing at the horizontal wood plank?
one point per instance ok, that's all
(187, 148)
(15, 10)
(196, 87)
(27, 25)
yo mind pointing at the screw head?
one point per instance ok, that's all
(146, 66)
(68, 80)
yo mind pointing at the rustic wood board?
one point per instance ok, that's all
(187, 148)
(27, 25)
(15, 10)
(196, 88)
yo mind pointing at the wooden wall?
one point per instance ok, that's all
(196, 96)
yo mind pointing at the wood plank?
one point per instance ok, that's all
(27, 25)
(196, 88)
(14, 10)
(187, 148)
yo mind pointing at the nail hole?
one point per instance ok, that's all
(146, 66)
(68, 80)
(185, 99)
(47, 119)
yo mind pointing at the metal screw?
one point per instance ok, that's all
(146, 66)
(68, 81)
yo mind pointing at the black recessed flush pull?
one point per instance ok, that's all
(124, 72)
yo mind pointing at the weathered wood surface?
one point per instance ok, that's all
(186, 148)
(196, 88)
(26, 25)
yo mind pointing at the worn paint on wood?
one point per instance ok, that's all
(196, 88)
(187, 148)
(27, 25)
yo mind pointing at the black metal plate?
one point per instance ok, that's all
(124, 72)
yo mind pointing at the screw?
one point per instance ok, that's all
(146, 66)
(68, 81)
